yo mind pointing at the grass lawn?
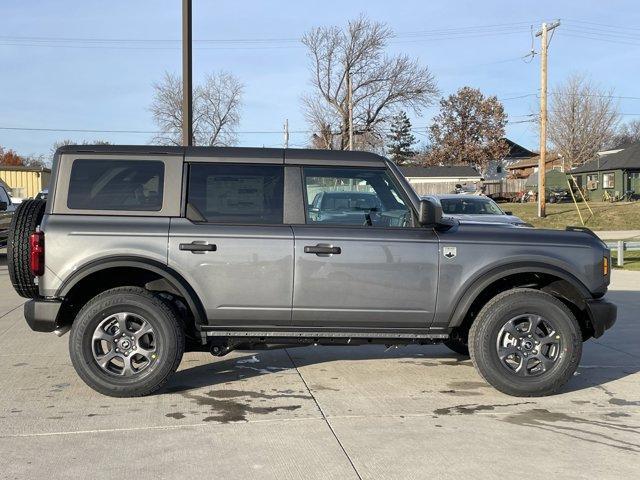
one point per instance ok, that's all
(607, 216)
(631, 260)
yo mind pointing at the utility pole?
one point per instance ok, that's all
(286, 133)
(542, 165)
(350, 103)
(187, 85)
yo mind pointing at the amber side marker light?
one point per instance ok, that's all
(605, 266)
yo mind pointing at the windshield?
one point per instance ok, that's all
(470, 206)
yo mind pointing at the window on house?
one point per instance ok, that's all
(592, 181)
(608, 180)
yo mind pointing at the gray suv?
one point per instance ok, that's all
(145, 252)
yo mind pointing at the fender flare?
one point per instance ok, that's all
(170, 275)
(484, 279)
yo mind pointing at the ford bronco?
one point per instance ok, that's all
(146, 252)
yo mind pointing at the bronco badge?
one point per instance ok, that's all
(449, 252)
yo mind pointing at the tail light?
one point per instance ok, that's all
(36, 253)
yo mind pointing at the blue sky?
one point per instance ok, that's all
(49, 82)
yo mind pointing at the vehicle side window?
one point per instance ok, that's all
(130, 185)
(354, 196)
(4, 197)
(237, 194)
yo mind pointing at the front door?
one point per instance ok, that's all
(233, 247)
(359, 261)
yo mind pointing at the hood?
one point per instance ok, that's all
(511, 219)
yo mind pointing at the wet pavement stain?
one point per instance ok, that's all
(227, 409)
(176, 415)
(471, 408)
(624, 403)
(544, 419)
(460, 393)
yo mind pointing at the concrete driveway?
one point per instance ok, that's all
(362, 412)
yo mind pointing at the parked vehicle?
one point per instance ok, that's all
(145, 252)
(43, 194)
(6, 214)
(476, 208)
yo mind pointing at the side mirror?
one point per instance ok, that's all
(430, 212)
(3, 206)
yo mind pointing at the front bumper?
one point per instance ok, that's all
(42, 315)
(602, 315)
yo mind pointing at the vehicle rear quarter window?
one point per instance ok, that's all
(129, 185)
(237, 194)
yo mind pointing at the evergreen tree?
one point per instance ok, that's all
(401, 140)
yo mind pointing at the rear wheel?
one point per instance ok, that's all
(126, 342)
(525, 343)
(26, 218)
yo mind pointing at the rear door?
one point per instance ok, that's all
(359, 261)
(233, 247)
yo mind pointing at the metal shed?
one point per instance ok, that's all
(25, 182)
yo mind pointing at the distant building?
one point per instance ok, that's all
(525, 167)
(498, 169)
(457, 173)
(25, 182)
(613, 171)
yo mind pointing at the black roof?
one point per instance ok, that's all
(440, 171)
(517, 151)
(228, 152)
(627, 158)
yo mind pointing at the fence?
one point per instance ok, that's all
(506, 186)
(500, 187)
(621, 246)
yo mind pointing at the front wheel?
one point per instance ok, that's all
(526, 343)
(126, 342)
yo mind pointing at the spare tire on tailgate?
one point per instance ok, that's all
(25, 220)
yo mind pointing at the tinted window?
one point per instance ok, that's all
(469, 206)
(246, 194)
(116, 185)
(354, 196)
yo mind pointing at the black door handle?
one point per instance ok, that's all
(323, 249)
(198, 247)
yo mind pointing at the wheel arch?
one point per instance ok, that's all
(172, 281)
(554, 280)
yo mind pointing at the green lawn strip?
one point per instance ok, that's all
(607, 216)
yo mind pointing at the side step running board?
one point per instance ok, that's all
(311, 334)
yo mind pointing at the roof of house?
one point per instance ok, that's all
(517, 151)
(22, 168)
(628, 157)
(532, 161)
(453, 171)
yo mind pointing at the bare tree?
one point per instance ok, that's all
(468, 130)
(582, 119)
(381, 84)
(216, 110)
(627, 133)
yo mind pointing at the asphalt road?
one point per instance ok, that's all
(324, 412)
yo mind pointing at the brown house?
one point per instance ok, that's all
(525, 167)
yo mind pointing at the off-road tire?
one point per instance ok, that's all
(26, 218)
(483, 338)
(156, 311)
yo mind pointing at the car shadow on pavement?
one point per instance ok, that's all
(3, 259)
(604, 360)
